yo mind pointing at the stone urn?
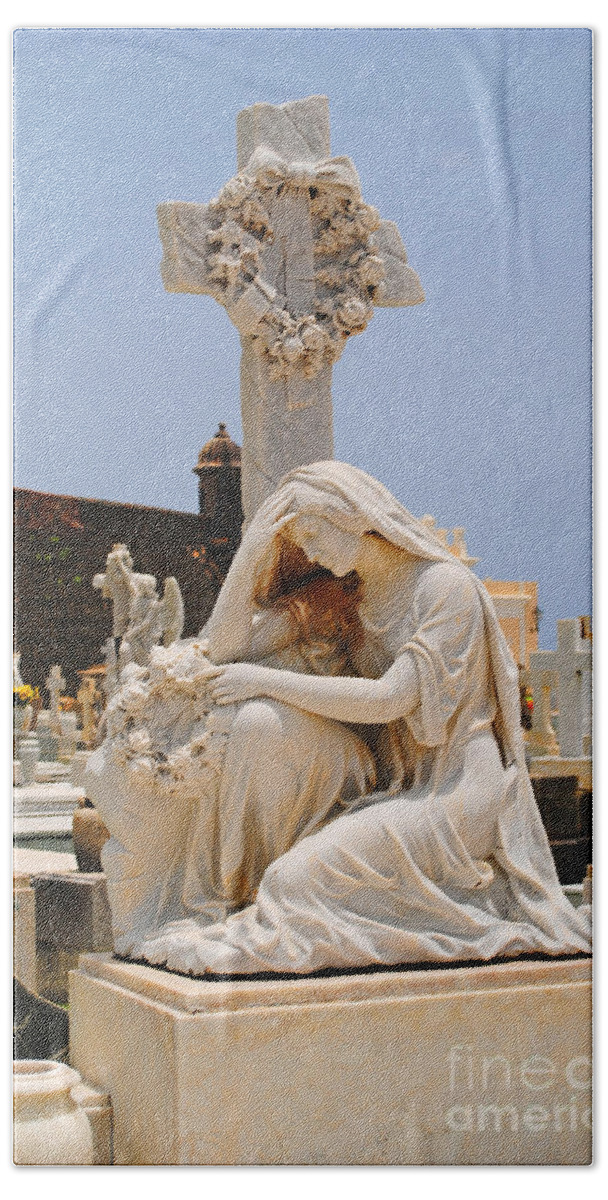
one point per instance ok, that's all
(89, 834)
(50, 1129)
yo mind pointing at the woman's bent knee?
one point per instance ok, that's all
(258, 719)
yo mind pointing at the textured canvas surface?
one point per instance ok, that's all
(472, 406)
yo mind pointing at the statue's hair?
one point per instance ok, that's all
(321, 606)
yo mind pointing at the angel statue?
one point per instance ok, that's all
(152, 620)
(140, 619)
(332, 774)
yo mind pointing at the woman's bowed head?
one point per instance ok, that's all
(369, 563)
(371, 802)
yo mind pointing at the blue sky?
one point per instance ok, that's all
(474, 406)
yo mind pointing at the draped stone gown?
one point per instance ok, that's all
(334, 846)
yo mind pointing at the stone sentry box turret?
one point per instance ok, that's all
(219, 487)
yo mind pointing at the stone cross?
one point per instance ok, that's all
(55, 684)
(299, 261)
(569, 669)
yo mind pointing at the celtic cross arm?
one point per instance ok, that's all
(401, 285)
(183, 228)
(355, 260)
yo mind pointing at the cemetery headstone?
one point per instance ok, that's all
(542, 678)
(48, 742)
(568, 668)
(17, 680)
(70, 736)
(29, 754)
(88, 696)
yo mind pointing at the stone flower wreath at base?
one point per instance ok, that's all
(347, 269)
(164, 728)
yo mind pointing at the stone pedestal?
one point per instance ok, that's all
(26, 864)
(72, 915)
(555, 766)
(24, 934)
(45, 809)
(485, 1064)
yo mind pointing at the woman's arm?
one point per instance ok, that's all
(229, 628)
(253, 635)
(271, 630)
(359, 701)
(232, 631)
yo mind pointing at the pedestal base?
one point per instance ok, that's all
(483, 1064)
(551, 766)
(45, 808)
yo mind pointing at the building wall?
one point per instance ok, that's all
(516, 605)
(62, 541)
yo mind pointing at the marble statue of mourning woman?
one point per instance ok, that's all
(332, 774)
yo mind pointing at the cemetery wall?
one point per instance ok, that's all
(62, 541)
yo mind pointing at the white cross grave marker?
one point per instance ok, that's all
(569, 669)
(299, 261)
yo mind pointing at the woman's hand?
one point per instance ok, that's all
(235, 682)
(269, 520)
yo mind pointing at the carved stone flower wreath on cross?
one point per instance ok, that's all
(347, 269)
